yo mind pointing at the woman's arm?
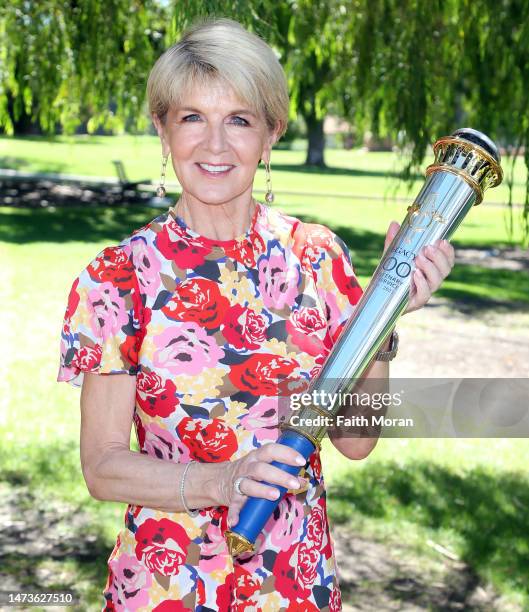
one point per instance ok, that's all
(115, 473)
(355, 447)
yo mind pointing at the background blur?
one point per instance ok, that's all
(420, 524)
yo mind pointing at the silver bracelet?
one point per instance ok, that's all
(190, 512)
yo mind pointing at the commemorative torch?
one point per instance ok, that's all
(466, 164)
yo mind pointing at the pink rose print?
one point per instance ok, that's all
(262, 419)
(147, 267)
(130, 582)
(162, 545)
(213, 550)
(107, 310)
(243, 327)
(158, 442)
(186, 348)
(278, 282)
(303, 326)
(285, 524)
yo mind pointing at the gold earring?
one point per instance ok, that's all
(269, 196)
(160, 191)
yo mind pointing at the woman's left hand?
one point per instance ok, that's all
(432, 265)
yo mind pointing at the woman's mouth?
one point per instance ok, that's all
(215, 170)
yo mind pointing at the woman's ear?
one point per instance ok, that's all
(161, 133)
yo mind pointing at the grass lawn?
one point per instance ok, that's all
(469, 496)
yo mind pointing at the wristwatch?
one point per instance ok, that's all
(393, 346)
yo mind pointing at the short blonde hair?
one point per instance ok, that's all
(221, 49)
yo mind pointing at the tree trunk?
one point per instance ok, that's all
(316, 142)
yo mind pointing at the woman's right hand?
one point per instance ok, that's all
(255, 466)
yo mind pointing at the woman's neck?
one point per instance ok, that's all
(216, 221)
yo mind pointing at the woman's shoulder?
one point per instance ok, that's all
(123, 253)
(302, 234)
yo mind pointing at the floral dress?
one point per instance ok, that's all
(209, 328)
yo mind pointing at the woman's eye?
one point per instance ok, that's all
(244, 122)
(189, 116)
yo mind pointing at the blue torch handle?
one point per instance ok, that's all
(257, 510)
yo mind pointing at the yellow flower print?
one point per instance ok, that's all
(239, 290)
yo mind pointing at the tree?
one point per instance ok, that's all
(409, 69)
(62, 60)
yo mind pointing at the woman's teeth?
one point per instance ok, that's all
(215, 168)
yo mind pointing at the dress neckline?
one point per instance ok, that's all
(222, 244)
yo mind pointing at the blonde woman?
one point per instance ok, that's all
(203, 310)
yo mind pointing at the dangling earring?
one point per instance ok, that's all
(269, 196)
(160, 191)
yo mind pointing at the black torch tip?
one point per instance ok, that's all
(480, 139)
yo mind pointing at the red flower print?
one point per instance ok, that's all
(316, 525)
(162, 545)
(295, 570)
(129, 350)
(201, 592)
(304, 606)
(345, 282)
(140, 431)
(303, 326)
(260, 374)
(243, 327)
(174, 244)
(335, 600)
(88, 358)
(246, 586)
(156, 396)
(113, 266)
(73, 300)
(171, 605)
(244, 254)
(315, 464)
(210, 441)
(225, 593)
(198, 300)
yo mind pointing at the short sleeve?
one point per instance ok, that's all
(338, 288)
(102, 327)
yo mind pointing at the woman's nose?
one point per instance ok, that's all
(216, 137)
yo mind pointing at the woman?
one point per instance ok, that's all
(206, 308)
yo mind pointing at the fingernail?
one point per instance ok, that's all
(300, 461)
(274, 494)
(293, 484)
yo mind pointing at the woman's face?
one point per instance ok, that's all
(215, 144)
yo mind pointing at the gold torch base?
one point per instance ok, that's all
(237, 544)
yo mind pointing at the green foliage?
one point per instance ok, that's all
(412, 70)
(68, 61)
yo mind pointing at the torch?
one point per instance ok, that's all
(466, 164)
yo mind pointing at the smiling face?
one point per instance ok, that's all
(215, 143)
